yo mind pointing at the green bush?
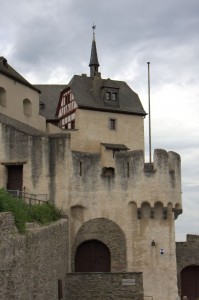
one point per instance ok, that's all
(41, 213)
(44, 213)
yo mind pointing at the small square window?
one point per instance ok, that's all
(114, 96)
(108, 95)
(112, 124)
(73, 124)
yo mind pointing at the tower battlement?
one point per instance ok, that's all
(130, 178)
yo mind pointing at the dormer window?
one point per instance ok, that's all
(111, 96)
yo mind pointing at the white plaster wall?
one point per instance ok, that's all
(15, 94)
(93, 129)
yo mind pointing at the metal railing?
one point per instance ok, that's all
(29, 198)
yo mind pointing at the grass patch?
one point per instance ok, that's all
(40, 213)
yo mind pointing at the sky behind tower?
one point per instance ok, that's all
(49, 42)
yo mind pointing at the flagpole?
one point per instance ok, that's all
(149, 103)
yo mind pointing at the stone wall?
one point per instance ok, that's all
(32, 264)
(44, 158)
(129, 130)
(106, 286)
(143, 200)
(187, 254)
(110, 234)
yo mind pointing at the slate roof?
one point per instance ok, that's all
(8, 71)
(83, 90)
(94, 59)
(49, 96)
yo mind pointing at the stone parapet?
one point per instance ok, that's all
(106, 286)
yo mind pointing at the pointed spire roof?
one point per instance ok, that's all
(94, 63)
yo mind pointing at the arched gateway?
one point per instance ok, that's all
(92, 256)
(190, 282)
(99, 246)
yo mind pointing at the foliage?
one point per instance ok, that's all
(44, 213)
(40, 213)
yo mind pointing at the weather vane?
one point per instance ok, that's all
(93, 27)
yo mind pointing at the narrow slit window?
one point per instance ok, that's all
(80, 168)
(127, 173)
(60, 289)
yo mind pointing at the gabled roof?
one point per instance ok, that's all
(49, 96)
(8, 71)
(84, 91)
(110, 83)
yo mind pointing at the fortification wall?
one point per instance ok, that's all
(187, 254)
(142, 199)
(106, 286)
(43, 158)
(32, 264)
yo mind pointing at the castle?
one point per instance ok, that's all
(81, 147)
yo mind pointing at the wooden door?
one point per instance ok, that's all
(190, 282)
(15, 177)
(92, 256)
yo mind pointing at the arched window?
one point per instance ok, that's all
(2, 96)
(27, 107)
(92, 256)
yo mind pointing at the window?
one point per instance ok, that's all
(2, 97)
(80, 168)
(27, 108)
(41, 105)
(114, 96)
(111, 97)
(112, 124)
(128, 169)
(73, 124)
(108, 96)
(60, 289)
(108, 172)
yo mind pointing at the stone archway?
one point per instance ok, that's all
(92, 256)
(110, 234)
(190, 282)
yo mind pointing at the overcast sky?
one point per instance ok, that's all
(50, 41)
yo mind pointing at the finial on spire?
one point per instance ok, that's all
(94, 64)
(93, 27)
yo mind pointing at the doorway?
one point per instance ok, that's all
(190, 282)
(15, 177)
(92, 256)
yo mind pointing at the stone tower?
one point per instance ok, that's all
(121, 209)
(118, 203)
